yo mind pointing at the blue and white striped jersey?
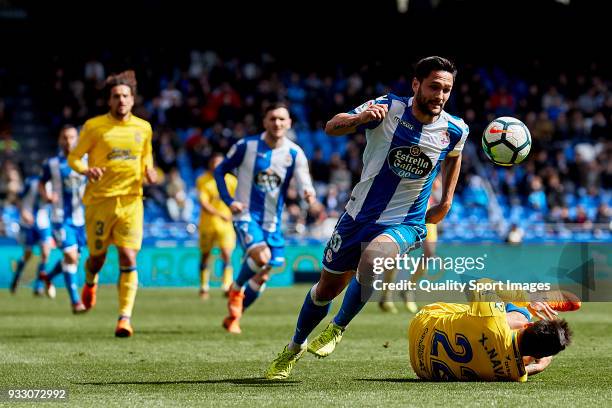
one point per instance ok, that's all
(401, 159)
(31, 202)
(263, 178)
(70, 186)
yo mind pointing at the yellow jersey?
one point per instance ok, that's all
(450, 341)
(207, 188)
(123, 148)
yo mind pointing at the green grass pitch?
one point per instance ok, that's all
(180, 356)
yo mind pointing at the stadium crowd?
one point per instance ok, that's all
(207, 102)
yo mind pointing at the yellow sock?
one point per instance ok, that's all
(128, 285)
(90, 277)
(204, 278)
(228, 277)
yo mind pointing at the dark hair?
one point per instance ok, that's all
(66, 126)
(429, 64)
(274, 106)
(127, 78)
(545, 338)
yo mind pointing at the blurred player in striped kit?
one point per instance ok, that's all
(35, 229)
(265, 165)
(68, 213)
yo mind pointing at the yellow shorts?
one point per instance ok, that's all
(221, 236)
(432, 232)
(114, 220)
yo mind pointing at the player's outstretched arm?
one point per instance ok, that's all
(345, 123)
(450, 174)
(538, 365)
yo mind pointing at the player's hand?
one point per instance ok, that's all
(53, 198)
(373, 113)
(436, 213)
(309, 197)
(542, 310)
(28, 217)
(236, 207)
(95, 173)
(151, 175)
(538, 365)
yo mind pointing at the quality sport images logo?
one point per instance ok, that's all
(409, 162)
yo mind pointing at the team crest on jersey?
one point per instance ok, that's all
(409, 162)
(445, 138)
(267, 180)
(137, 137)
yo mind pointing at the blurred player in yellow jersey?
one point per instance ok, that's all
(482, 342)
(216, 228)
(118, 145)
(429, 251)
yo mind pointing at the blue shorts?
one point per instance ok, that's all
(344, 248)
(30, 236)
(511, 307)
(250, 234)
(68, 235)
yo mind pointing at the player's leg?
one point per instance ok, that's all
(42, 283)
(429, 251)
(69, 265)
(204, 276)
(59, 235)
(127, 237)
(93, 265)
(227, 243)
(128, 286)
(360, 288)
(27, 254)
(99, 220)
(255, 265)
(316, 306)
(386, 299)
(207, 240)
(273, 258)
(341, 257)
(257, 255)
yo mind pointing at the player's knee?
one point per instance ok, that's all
(70, 257)
(327, 290)
(261, 257)
(127, 257)
(96, 262)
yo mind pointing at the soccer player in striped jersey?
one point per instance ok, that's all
(118, 145)
(265, 165)
(409, 140)
(68, 214)
(35, 229)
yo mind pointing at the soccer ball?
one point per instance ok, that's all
(506, 141)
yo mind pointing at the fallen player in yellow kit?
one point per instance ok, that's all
(487, 339)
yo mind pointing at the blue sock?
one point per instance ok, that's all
(70, 278)
(38, 283)
(251, 293)
(352, 303)
(310, 316)
(57, 269)
(248, 270)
